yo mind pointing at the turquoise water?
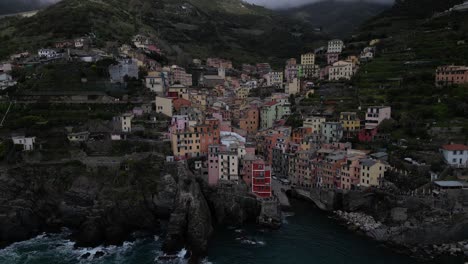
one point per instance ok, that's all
(307, 236)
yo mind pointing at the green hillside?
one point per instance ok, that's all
(200, 28)
(338, 18)
(414, 43)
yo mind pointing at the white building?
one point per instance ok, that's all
(127, 67)
(314, 122)
(367, 54)
(79, 43)
(335, 46)
(228, 166)
(26, 142)
(455, 155)
(124, 122)
(341, 70)
(47, 53)
(155, 82)
(376, 114)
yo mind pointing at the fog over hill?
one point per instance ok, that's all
(17, 6)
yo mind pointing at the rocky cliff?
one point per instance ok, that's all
(101, 206)
(106, 206)
(411, 222)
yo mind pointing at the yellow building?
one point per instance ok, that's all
(350, 121)
(242, 92)
(372, 172)
(186, 143)
(164, 106)
(198, 100)
(308, 59)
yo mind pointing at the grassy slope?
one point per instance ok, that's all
(336, 17)
(412, 36)
(226, 28)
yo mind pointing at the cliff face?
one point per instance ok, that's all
(190, 222)
(102, 206)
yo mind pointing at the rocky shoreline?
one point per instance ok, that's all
(368, 226)
(407, 224)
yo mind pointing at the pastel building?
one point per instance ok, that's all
(351, 123)
(274, 78)
(341, 70)
(451, 74)
(164, 106)
(315, 122)
(376, 114)
(372, 172)
(155, 82)
(250, 120)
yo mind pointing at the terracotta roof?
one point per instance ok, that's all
(454, 147)
(271, 103)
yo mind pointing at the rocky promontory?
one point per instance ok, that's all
(105, 206)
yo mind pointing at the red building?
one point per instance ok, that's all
(261, 179)
(367, 134)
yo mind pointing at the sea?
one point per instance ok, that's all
(308, 236)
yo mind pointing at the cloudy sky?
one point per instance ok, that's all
(294, 3)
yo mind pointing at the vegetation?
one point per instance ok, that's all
(227, 28)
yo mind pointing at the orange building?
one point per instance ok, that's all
(300, 133)
(250, 121)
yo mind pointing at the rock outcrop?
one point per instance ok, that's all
(101, 206)
(190, 222)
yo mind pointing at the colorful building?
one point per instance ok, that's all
(372, 172)
(261, 179)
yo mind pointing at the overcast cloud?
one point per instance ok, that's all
(295, 3)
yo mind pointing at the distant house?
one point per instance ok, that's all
(376, 114)
(455, 155)
(335, 46)
(78, 136)
(123, 123)
(64, 44)
(451, 74)
(372, 172)
(47, 53)
(164, 106)
(126, 67)
(26, 142)
(155, 82)
(341, 70)
(332, 131)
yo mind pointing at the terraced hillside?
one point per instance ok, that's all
(414, 42)
(197, 28)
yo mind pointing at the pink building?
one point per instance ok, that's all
(350, 171)
(376, 114)
(213, 163)
(219, 63)
(449, 75)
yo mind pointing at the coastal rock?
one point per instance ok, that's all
(190, 222)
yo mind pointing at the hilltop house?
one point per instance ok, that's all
(341, 70)
(26, 142)
(455, 155)
(451, 74)
(126, 67)
(335, 46)
(155, 82)
(47, 53)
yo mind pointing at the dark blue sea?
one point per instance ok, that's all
(308, 236)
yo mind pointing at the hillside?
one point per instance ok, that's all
(17, 6)
(338, 18)
(197, 28)
(413, 44)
